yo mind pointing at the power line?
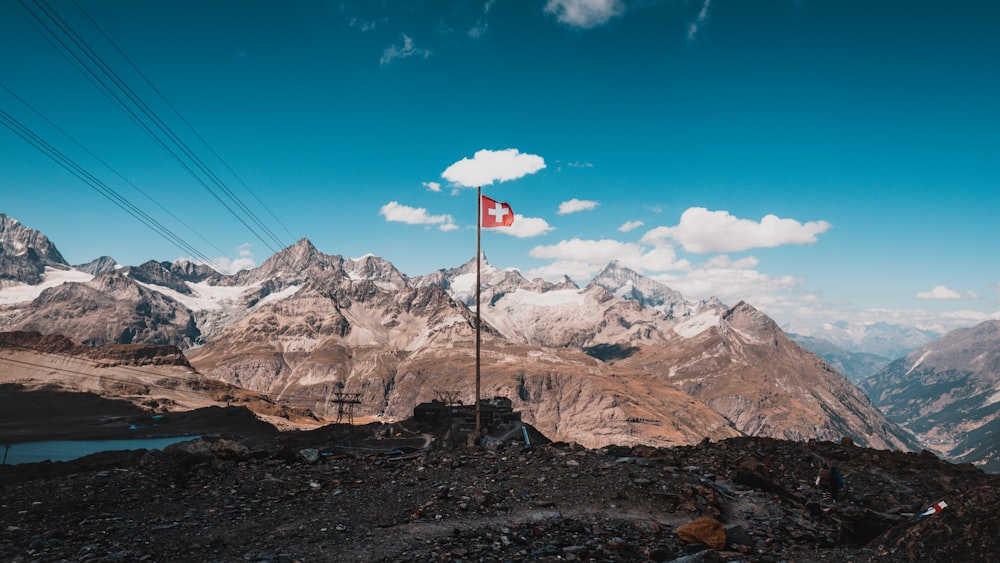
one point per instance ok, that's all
(97, 67)
(183, 120)
(97, 185)
(112, 169)
(111, 84)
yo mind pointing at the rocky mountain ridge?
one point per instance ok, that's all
(624, 360)
(948, 393)
(25, 253)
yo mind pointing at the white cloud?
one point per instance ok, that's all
(659, 259)
(393, 52)
(488, 166)
(526, 227)
(432, 186)
(724, 261)
(812, 319)
(362, 24)
(940, 292)
(230, 265)
(395, 212)
(701, 231)
(574, 205)
(481, 26)
(596, 252)
(630, 226)
(581, 259)
(732, 282)
(699, 20)
(555, 271)
(584, 13)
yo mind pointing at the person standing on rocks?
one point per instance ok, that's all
(830, 480)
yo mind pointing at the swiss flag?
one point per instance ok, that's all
(935, 508)
(495, 213)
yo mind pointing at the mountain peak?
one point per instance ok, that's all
(16, 239)
(98, 266)
(628, 284)
(25, 252)
(747, 318)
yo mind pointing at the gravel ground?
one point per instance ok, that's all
(338, 494)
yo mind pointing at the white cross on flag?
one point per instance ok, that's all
(496, 213)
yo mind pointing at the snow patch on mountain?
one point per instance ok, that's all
(994, 398)
(698, 324)
(24, 293)
(553, 298)
(204, 297)
(424, 338)
(463, 287)
(918, 362)
(280, 295)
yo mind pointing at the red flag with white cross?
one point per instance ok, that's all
(495, 213)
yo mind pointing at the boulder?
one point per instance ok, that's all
(708, 531)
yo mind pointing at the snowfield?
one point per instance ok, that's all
(24, 293)
(697, 324)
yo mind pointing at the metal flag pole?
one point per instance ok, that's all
(479, 228)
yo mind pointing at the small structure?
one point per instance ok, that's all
(493, 413)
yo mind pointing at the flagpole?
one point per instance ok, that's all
(479, 228)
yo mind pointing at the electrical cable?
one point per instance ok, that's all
(97, 185)
(112, 169)
(97, 64)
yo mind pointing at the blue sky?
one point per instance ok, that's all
(823, 160)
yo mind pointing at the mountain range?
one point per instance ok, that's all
(881, 339)
(624, 360)
(856, 366)
(948, 394)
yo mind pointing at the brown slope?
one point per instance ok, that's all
(748, 370)
(155, 379)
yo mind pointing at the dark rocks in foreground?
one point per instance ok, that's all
(324, 496)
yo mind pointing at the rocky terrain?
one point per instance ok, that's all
(373, 493)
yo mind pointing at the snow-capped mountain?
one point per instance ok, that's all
(98, 266)
(948, 394)
(25, 254)
(460, 282)
(627, 284)
(624, 360)
(18, 240)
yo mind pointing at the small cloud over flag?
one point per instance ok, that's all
(487, 166)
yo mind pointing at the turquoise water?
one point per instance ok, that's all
(67, 450)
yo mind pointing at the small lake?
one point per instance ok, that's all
(68, 450)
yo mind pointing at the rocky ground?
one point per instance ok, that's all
(340, 494)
